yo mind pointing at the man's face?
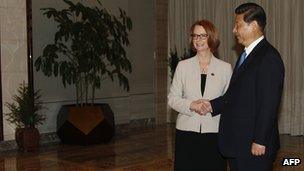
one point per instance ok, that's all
(243, 31)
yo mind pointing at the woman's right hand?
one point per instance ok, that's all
(196, 106)
(201, 107)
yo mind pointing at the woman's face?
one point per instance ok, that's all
(199, 39)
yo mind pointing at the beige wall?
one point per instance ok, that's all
(13, 52)
(136, 104)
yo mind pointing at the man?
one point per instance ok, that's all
(248, 131)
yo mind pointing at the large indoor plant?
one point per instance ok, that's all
(88, 47)
(25, 116)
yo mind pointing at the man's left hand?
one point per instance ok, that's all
(257, 149)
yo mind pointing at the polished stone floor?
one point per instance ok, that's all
(136, 150)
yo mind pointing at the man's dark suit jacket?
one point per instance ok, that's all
(249, 108)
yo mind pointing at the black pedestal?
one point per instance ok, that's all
(85, 125)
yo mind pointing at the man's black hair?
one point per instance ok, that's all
(252, 12)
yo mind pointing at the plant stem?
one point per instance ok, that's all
(86, 90)
(93, 94)
(81, 93)
(77, 92)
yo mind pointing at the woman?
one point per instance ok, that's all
(200, 77)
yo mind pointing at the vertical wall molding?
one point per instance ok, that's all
(29, 43)
(1, 105)
(161, 66)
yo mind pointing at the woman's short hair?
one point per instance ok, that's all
(213, 36)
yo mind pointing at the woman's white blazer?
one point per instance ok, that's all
(186, 88)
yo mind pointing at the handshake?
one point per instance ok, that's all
(201, 107)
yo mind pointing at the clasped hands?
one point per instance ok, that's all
(201, 107)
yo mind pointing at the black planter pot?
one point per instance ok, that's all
(85, 125)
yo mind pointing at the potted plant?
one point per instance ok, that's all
(24, 115)
(88, 47)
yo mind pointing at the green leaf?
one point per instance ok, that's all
(38, 63)
(129, 23)
(69, 3)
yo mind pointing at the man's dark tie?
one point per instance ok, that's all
(242, 59)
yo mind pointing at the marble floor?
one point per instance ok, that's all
(137, 150)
